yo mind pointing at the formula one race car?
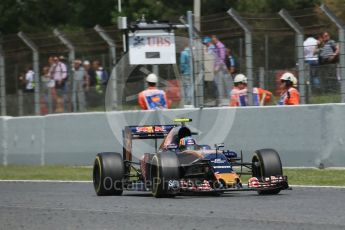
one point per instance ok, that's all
(180, 166)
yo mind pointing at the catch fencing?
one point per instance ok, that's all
(264, 47)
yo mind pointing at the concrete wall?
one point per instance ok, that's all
(303, 135)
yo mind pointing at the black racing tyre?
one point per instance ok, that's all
(164, 167)
(266, 163)
(108, 171)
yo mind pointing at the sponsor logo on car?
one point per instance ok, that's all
(150, 129)
(144, 129)
(218, 161)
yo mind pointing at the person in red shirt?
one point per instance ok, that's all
(289, 95)
(153, 98)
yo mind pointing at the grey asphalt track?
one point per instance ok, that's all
(75, 206)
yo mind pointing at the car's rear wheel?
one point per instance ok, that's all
(267, 163)
(164, 168)
(108, 171)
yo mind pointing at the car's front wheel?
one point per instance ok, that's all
(267, 163)
(164, 170)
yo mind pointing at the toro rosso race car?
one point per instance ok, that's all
(179, 165)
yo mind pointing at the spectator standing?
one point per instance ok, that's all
(329, 56)
(221, 76)
(67, 96)
(312, 59)
(29, 89)
(47, 91)
(207, 41)
(230, 62)
(99, 77)
(329, 50)
(289, 95)
(29, 80)
(152, 98)
(79, 81)
(209, 57)
(87, 67)
(186, 75)
(90, 90)
(58, 72)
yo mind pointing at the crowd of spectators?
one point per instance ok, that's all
(229, 87)
(321, 53)
(220, 68)
(67, 88)
(81, 85)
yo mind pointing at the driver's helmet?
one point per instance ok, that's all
(187, 143)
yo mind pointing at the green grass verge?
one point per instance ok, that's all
(323, 177)
(45, 173)
(331, 177)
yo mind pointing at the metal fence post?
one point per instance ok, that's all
(198, 68)
(300, 51)
(36, 68)
(267, 53)
(2, 80)
(197, 13)
(240, 44)
(71, 58)
(341, 26)
(111, 43)
(248, 50)
(191, 53)
(112, 50)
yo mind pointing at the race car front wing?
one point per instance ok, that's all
(254, 184)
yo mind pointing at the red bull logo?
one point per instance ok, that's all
(150, 129)
(145, 129)
(160, 129)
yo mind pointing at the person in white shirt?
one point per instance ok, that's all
(30, 81)
(58, 72)
(311, 58)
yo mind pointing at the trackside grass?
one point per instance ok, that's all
(323, 177)
(327, 177)
(45, 173)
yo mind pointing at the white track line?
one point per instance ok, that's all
(46, 181)
(316, 186)
(70, 181)
(315, 168)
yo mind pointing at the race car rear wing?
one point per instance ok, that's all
(142, 132)
(149, 131)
